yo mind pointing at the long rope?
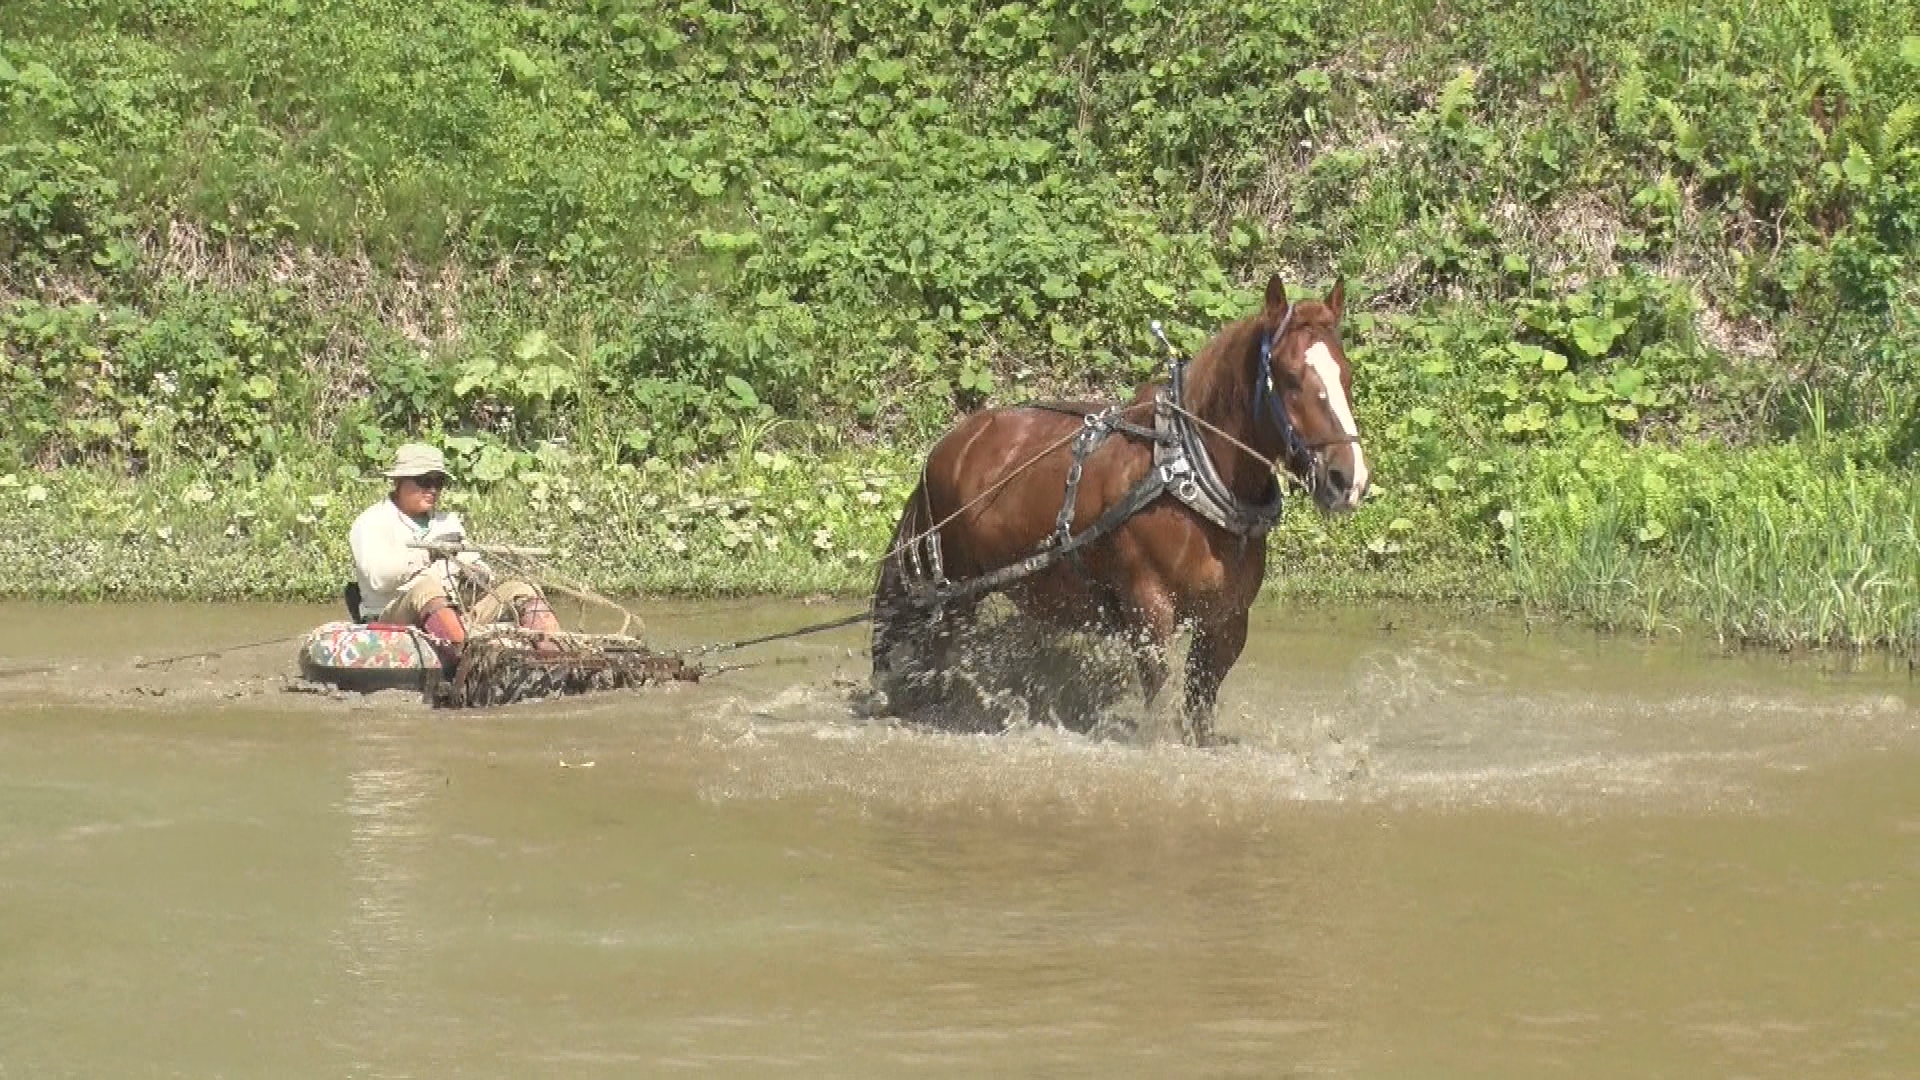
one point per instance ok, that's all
(211, 653)
(816, 628)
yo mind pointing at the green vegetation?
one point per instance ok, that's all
(1635, 304)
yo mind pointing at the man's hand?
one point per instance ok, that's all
(475, 571)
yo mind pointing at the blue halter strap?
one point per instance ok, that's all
(1265, 401)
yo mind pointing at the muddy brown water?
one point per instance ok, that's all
(1442, 847)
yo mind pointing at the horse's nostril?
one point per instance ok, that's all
(1338, 478)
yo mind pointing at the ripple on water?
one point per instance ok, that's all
(1457, 721)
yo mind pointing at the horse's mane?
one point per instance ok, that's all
(1220, 382)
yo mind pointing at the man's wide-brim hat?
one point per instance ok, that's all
(417, 459)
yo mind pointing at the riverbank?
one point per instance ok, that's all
(1785, 546)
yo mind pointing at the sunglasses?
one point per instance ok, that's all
(431, 481)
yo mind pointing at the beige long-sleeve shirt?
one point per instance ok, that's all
(385, 565)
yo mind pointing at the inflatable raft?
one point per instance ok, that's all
(366, 657)
(499, 664)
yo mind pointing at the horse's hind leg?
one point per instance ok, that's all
(907, 645)
(1213, 653)
(915, 652)
(898, 629)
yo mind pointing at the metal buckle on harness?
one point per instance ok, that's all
(1177, 475)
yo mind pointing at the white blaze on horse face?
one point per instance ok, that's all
(1320, 359)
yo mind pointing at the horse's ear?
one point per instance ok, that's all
(1337, 299)
(1276, 298)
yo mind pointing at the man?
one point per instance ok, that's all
(414, 586)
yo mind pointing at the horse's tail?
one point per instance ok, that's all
(903, 564)
(893, 609)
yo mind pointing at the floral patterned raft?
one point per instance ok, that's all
(499, 665)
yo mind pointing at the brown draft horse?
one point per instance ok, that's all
(1164, 567)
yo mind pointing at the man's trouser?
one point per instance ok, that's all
(500, 602)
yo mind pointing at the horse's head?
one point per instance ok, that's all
(1305, 390)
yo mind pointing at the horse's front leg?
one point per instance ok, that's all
(1148, 623)
(1216, 646)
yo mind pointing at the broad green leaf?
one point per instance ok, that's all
(531, 346)
(476, 373)
(519, 63)
(1594, 335)
(494, 465)
(1627, 381)
(1857, 167)
(545, 381)
(1551, 361)
(743, 391)
(259, 387)
(729, 243)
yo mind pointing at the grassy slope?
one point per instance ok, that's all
(1637, 332)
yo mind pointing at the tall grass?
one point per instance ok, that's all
(1802, 551)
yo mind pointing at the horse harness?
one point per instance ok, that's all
(1181, 468)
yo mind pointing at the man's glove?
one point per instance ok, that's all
(476, 572)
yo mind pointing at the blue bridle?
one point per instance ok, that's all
(1266, 401)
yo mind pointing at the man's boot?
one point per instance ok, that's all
(442, 623)
(537, 615)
